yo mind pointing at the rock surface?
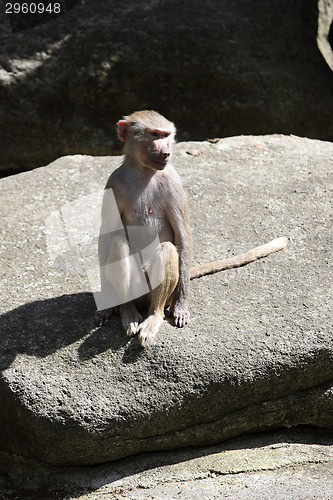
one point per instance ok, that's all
(325, 30)
(256, 355)
(246, 67)
(290, 463)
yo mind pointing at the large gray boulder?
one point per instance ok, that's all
(257, 353)
(245, 67)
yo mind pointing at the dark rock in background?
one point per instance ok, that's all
(216, 68)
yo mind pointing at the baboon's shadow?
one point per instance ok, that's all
(43, 327)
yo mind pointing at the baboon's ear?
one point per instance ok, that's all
(123, 130)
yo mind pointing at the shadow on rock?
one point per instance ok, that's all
(37, 477)
(110, 336)
(108, 473)
(41, 328)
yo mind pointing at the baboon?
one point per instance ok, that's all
(149, 196)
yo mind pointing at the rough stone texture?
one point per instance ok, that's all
(325, 30)
(295, 463)
(246, 67)
(256, 355)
